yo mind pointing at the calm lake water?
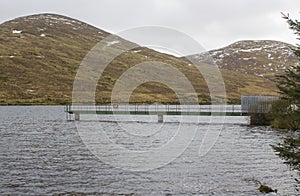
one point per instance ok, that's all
(41, 153)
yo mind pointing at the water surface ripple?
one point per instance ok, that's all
(42, 154)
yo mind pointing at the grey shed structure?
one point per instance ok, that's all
(257, 104)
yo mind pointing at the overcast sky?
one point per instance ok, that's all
(213, 23)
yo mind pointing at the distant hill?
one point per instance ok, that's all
(40, 55)
(264, 58)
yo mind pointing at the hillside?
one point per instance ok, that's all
(264, 58)
(40, 55)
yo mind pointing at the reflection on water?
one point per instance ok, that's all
(41, 153)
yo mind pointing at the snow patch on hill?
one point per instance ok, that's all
(16, 31)
(112, 43)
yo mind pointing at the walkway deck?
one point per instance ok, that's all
(160, 110)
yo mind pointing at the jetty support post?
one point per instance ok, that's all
(77, 116)
(160, 118)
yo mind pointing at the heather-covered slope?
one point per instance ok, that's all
(40, 55)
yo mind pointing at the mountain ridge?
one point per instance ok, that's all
(263, 58)
(40, 55)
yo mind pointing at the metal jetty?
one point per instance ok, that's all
(75, 111)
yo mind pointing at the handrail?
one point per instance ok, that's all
(136, 108)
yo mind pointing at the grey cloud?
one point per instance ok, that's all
(213, 23)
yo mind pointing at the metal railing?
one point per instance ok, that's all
(155, 108)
